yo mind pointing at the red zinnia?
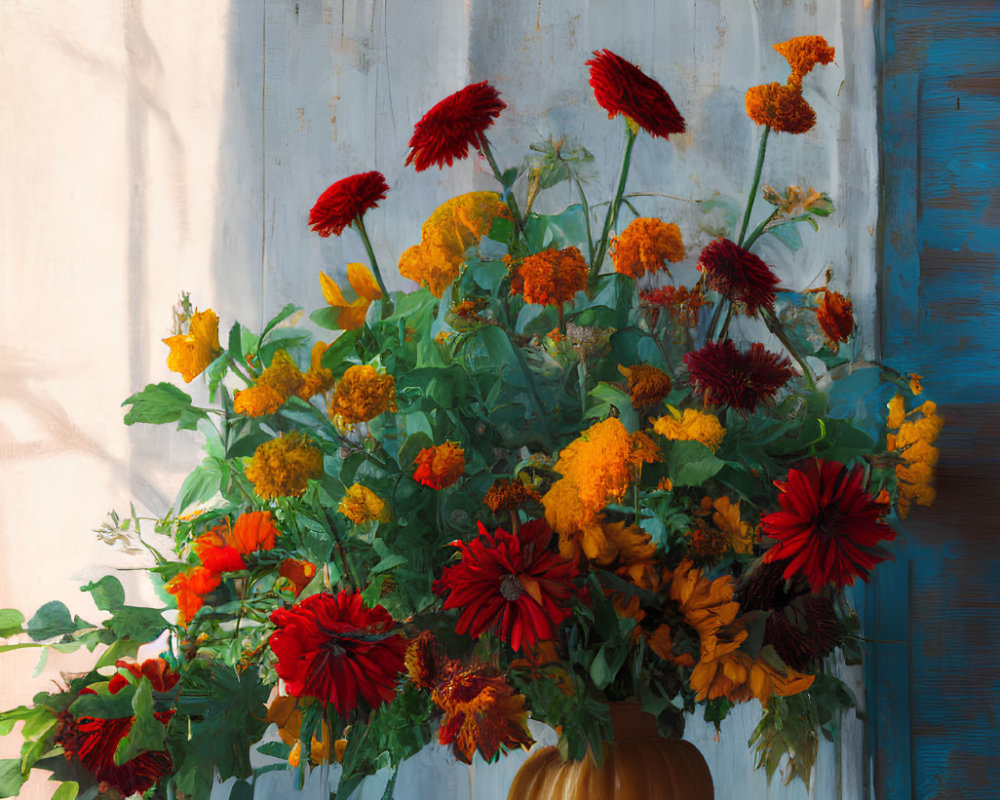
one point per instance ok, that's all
(829, 526)
(513, 584)
(623, 88)
(738, 275)
(334, 648)
(724, 376)
(93, 741)
(346, 201)
(445, 133)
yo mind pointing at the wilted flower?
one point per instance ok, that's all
(836, 318)
(622, 88)
(346, 201)
(508, 495)
(275, 384)
(446, 132)
(682, 303)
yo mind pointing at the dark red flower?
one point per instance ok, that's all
(346, 201)
(738, 275)
(835, 314)
(829, 526)
(512, 584)
(724, 376)
(623, 88)
(801, 627)
(445, 133)
(335, 649)
(93, 741)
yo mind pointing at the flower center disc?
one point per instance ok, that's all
(510, 587)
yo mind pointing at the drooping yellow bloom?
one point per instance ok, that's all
(282, 467)
(708, 607)
(914, 443)
(726, 517)
(286, 714)
(738, 677)
(646, 245)
(646, 384)
(191, 352)
(691, 426)
(362, 394)
(361, 505)
(273, 386)
(897, 412)
(448, 233)
(352, 315)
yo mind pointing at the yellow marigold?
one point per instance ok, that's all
(646, 384)
(362, 394)
(552, 277)
(318, 379)
(448, 233)
(691, 426)
(361, 505)
(282, 467)
(781, 107)
(439, 467)
(646, 245)
(273, 386)
(914, 443)
(897, 412)
(352, 315)
(191, 352)
(508, 495)
(804, 52)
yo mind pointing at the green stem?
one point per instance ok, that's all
(532, 390)
(759, 230)
(756, 183)
(586, 218)
(725, 325)
(386, 302)
(609, 220)
(774, 325)
(508, 193)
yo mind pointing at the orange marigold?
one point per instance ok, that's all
(273, 386)
(362, 394)
(647, 384)
(804, 52)
(835, 315)
(439, 467)
(552, 277)
(189, 589)
(318, 379)
(283, 467)
(448, 233)
(191, 352)
(781, 107)
(295, 574)
(646, 245)
(914, 442)
(508, 495)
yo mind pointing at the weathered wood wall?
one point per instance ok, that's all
(150, 147)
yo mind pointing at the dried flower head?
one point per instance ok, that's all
(446, 132)
(683, 304)
(589, 341)
(622, 88)
(346, 201)
(508, 495)
(283, 466)
(727, 377)
(738, 275)
(646, 245)
(835, 315)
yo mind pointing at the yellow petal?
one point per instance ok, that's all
(363, 281)
(353, 315)
(331, 291)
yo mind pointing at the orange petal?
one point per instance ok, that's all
(331, 291)
(363, 281)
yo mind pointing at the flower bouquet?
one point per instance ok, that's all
(550, 478)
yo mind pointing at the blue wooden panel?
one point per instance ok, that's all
(932, 615)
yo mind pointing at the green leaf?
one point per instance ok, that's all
(160, 403)
(137, 622)
(108, 593)
(147, 732)
(11, 622)
(11, 778)
(241, 790)
(200, 485)
(120, 648)
(278, 318)
(104, 705)
(66, 791)
(52, 620)
(691, 463)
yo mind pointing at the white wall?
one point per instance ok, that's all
(150, 147)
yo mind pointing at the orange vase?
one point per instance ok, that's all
(638, 765)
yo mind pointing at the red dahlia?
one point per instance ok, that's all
(335, 649)
(738, 275)
(512, 584)
(446, 132)
(724, 376)
(829, 527)
(623, 88)
(346, 201)
(93, 741)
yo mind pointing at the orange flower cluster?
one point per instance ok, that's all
(352, 314)
(682, 303)
(914, 442)
(361, 395)
(282, 379)
(551, 277)
(189, 589)
(597, 468)
(191, 352)
(835, 315)
(781, 106)
(646, 245)
(448, 233)
(439, 467)
(283, 467)
(647, 385)
(508, 495)
(691, 426)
